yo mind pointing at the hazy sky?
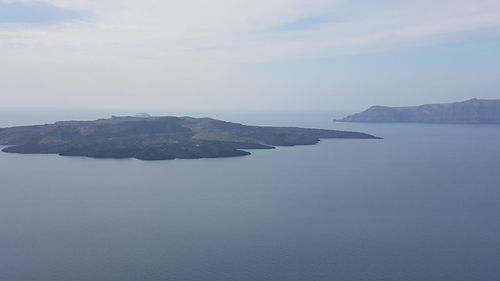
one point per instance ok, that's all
(247, 54)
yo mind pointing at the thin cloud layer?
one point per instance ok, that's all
(164, 45)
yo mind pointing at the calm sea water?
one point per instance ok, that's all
(423, 204)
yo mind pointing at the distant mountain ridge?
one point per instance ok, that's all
(473, 111)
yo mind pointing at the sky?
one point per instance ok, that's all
(247, 54)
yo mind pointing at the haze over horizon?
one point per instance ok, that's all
(247, 55)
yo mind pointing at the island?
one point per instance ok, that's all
(158, 138)
(473, 111)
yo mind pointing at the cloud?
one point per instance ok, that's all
(81, 5)
(239, 31)
(177, 49)
(35, 14)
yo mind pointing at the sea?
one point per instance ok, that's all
(421, 204)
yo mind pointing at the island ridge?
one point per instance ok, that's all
(158, 138)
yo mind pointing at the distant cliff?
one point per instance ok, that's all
(474, 111)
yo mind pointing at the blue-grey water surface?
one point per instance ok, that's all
(423, 204)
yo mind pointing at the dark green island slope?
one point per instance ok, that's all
(474, 111)
(158, 138)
